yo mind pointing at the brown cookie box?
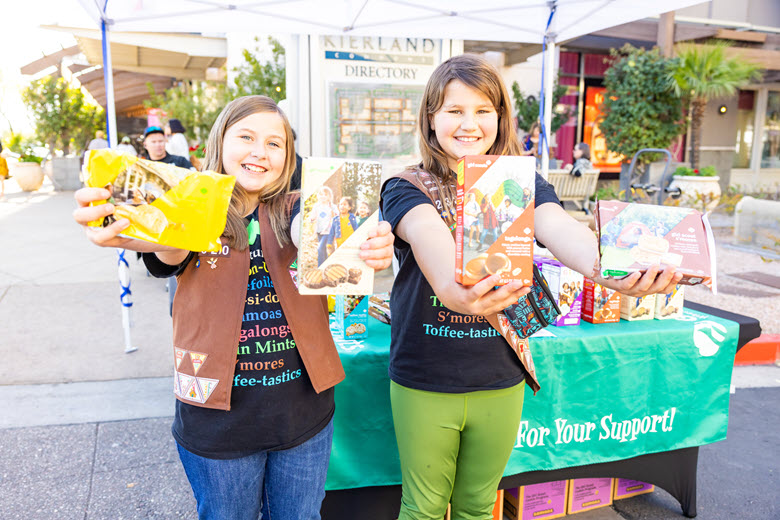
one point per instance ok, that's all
(632, 237)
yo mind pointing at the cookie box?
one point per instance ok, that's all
(339, 206)
(635, 308)
(352, 316)
(600, 304)
(494, 233)
(632, 237)
(670, 306)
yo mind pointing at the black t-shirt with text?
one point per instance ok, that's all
(433, 348)
(273, 403)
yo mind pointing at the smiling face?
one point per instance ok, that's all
(466, 123)
(363, 209)
(254, 150)
(345, 206)
(323, 196)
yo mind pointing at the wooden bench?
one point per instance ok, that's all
(575, 189)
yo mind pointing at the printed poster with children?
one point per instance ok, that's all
(340, 205)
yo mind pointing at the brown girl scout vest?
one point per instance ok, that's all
(207, 317)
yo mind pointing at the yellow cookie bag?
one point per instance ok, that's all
(165, 204)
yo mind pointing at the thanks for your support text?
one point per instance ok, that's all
(609, 428)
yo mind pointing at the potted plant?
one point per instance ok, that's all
(64, 120)
(28, 172)
(699, 187)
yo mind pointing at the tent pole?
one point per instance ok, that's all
(123, 265)
(108, 78)
(548, 103)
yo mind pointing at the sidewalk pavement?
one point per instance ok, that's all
(85, 428)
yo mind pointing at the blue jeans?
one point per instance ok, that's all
(285, 485)
(322, 248)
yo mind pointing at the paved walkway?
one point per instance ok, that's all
(84, 427)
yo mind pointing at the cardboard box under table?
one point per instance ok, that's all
(589, 493)
(536, 501)
(625, 488)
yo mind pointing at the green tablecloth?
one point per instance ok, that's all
(609, 392)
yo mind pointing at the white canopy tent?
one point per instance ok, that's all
(534, 21)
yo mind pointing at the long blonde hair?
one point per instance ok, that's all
(274, 195)
(476, 72)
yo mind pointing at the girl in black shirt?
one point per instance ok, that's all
(457, 387)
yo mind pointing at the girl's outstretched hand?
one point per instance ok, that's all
(107, 236)
(652, 281)
(377, 251)
(482, 299)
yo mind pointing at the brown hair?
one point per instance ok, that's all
(476, 72)
(272, 195)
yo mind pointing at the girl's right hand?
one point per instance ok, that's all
(84, 214)
(107, 236)
(482, 299)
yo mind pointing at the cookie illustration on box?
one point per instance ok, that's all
(339, 206)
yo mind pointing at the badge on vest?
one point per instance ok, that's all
(211, 258)
(224, 252)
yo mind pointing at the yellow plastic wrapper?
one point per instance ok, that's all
(165, 204)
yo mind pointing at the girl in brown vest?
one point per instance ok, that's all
(254, 362)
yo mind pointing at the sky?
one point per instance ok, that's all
(23, 41)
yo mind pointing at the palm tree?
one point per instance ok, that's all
(705, 72)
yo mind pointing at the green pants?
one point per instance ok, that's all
(453, 448)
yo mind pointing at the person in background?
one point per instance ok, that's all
(177, 142)
(363, 212)
(98, 142)
(344, 224)
(581, 161)
(3, 172)
(322, 214)
(126, 147)
(531, 141)
(471, 214)
(489, 224)
(154, 144)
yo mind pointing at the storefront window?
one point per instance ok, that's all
(746, 112)
(770, 138)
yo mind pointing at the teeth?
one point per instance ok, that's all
(467, 139)
(253, 168)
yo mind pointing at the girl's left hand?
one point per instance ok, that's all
(377, 251)
(652, 281)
